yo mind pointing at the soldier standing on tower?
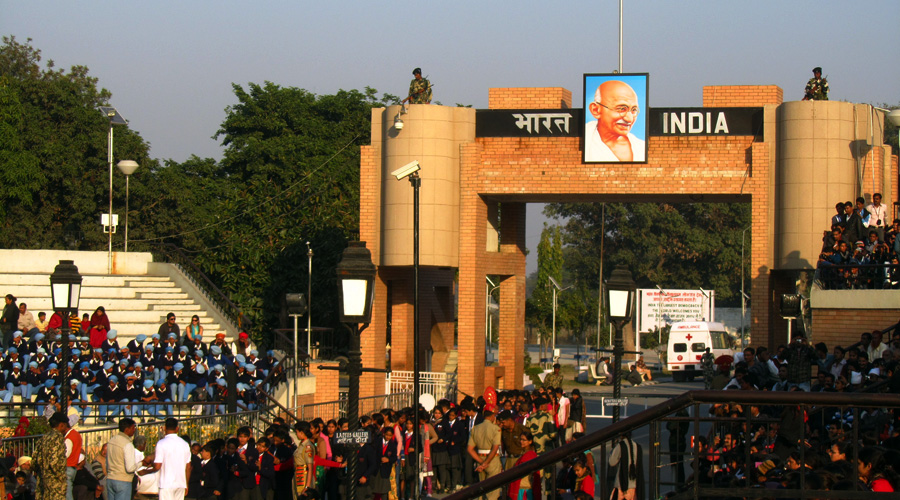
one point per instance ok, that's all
(816, 87)
(419, 89)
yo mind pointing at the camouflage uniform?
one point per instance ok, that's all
(420, 91)
(542, 428)
(816, 89)
(553, 380)
(50, 463)
(708, 364)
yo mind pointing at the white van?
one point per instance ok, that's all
(688, 341)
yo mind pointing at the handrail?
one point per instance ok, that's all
(659, 411)
(176, 256)
(879, 276)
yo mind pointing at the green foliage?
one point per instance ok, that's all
(688, 245)
(290, 174)
(539, 308)
(53, 148)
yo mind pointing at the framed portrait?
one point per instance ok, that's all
(615, 116)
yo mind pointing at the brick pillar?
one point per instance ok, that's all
(373, 342)
(473, 213)
(401, 324)
(762, 253)
(512, 297)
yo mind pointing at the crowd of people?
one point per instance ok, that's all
(860, 236)
(106, 379)
(788, 444)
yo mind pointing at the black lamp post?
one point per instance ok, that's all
(65, 289)
(620, 289)
(356, 292)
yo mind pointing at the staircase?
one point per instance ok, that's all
(136, 301)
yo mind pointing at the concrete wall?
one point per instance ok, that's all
(431, 135)
(824, 149)
(44, 261)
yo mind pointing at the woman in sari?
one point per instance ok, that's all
(99, 327)
(429, 437)
(528, 487)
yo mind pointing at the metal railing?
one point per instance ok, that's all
(174, 255)
(202, 429)
(701, 413)
(858, 276)
(326, 343)
(367, 405)
(439, 384)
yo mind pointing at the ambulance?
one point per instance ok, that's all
(688, 341)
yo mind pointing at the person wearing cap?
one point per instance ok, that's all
(555, 379)
(419, 89)
(540, 424)
(216, 356)
(148, 395)
(43, 393)
(241, 345)
(17, 383)
(112, 393)
(484, 448)
(183, 355)
(510, 432)
(74, 449)
(817, 87)
(49, 460)
(131, 393)
(196, 344)
(111, 341)
(164, 395)
(169, 326)
(137, 344)
(165, 363)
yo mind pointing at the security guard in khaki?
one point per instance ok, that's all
(484, 447)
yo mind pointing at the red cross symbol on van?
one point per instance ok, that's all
(689, 336)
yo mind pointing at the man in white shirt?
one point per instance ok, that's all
(609, 138)
(562, 417)
(173, 461)
(877, 215)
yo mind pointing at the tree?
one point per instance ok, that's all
(688, 245)
(53, 159)
(539, 308)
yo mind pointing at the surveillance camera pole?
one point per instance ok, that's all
(416, 182)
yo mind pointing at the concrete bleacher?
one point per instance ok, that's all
(137, 296)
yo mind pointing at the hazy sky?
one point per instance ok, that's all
(170, 65)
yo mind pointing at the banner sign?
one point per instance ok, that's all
(662, 122)
(528, 122)
(706, 121)
(657, 309)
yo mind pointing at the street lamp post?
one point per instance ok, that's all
(556, 288)
(127, 167)
(620, 299)
(65, 290)
(114, 119)
(411, 170)
(356, 292)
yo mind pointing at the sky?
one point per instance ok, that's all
(170, 65)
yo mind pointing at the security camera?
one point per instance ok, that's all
(406, 170)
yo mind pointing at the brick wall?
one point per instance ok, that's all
(737, 96)
(843, 326)
(529, 98)
(327, 382)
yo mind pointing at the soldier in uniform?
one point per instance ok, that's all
(541, 426)
(708, 364)
(419, 89)
(484, 448)
(511, 432)
(50, 460)
(816, 87)
(555, 379)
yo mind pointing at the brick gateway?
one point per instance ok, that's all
(805, 158)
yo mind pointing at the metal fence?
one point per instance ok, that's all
(201, 429)
(438, 384)
(367, 405)
(858, 276)
(701, 444)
